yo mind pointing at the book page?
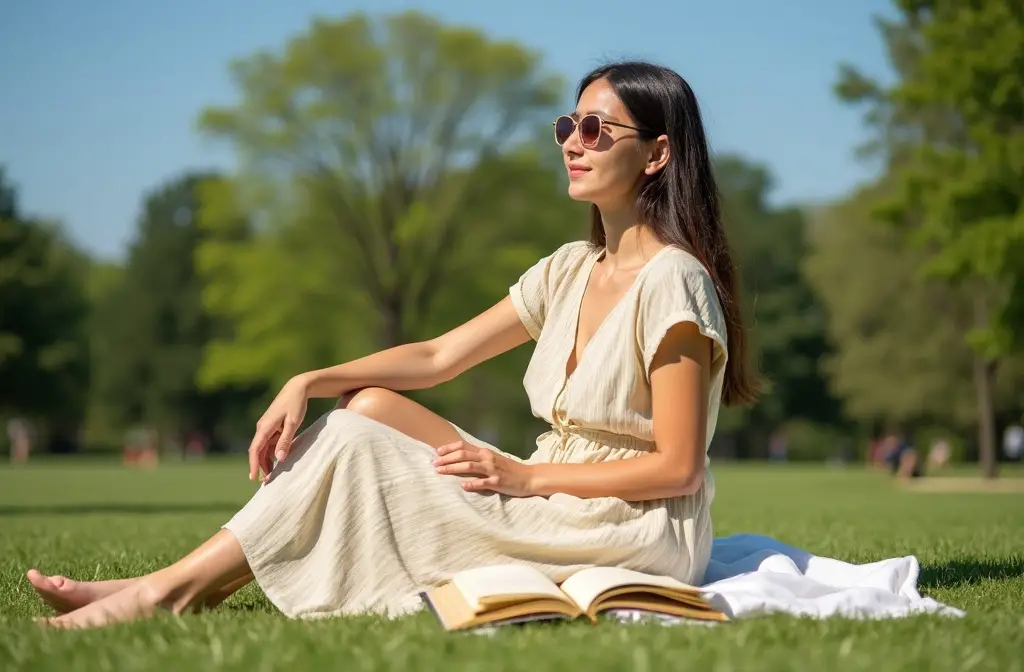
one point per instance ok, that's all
(485, 587)
(451, 609)
(586, 585)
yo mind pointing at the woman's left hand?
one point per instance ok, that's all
(492, 470)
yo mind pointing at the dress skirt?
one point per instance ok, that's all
(356, 520)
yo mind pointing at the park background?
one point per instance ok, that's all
(199, 201)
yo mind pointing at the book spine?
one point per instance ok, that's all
(430, 607)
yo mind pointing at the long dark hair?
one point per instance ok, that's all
(680, 204)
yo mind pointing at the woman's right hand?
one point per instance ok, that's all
(276, 429)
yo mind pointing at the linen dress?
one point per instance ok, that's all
(356, 519)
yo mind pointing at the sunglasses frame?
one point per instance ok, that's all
(601, 123)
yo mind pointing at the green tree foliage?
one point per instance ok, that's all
(390, 186)
(786, 319)
(104, 417)
(900, 357)
(150, 328)
(43, 346)
(952, 127)
(8, 198)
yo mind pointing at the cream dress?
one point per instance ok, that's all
(356, 519)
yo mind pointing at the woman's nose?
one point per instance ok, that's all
(573, 146)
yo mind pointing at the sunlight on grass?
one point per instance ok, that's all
(107, 522)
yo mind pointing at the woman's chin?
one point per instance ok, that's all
(579, 192)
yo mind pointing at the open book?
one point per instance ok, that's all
(503, 594)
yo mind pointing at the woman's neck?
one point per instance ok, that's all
(628, 244)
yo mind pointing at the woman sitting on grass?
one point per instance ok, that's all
(639, 340)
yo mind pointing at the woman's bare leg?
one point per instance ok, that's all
(64, 594)
(405, 415)
(182, 587)
(401, 413)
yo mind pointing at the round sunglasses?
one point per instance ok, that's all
(590, 127)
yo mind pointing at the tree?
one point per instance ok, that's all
(391, 185)
(151, 328)
(900, 359)
(103, 424)
(376, 136)
(8, 198)
(952, 130)
(43, 347)
(787, 322)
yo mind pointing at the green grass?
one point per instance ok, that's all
(105, 522)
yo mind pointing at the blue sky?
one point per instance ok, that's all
(99, 99)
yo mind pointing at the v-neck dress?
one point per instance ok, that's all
(356, 520)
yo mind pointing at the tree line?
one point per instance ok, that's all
(395, 175)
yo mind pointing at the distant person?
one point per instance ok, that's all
(639, 341)
(778, 446)
(196, 446)
(1013, 442)
(19, 435)
(939, 454)
(879, 449)
(902, 457)
(140, 448)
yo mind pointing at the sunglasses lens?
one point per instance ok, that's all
(590, 130)
(564, 126)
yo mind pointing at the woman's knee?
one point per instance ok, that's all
(401, 413)
(371, 402)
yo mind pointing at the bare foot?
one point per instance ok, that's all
(64, 594)
(138, 601)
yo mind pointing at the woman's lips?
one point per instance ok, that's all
(576, 170)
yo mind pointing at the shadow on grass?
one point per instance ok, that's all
(959, 572)
(127, 508)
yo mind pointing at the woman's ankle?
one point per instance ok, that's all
(169, 592)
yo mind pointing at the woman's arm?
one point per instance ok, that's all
(404, 367)
(417, 366)
(679, 387)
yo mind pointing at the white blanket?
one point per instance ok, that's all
(751, 574)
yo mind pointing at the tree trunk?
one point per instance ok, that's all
(984, 389)
(984, 382)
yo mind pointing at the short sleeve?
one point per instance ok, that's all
(679, 291)
(533, 292)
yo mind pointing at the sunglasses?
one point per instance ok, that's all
(591, 127)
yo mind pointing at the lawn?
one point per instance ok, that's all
(102, 521)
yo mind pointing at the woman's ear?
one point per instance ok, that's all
(659, 155)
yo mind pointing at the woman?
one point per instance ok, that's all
(638, 340)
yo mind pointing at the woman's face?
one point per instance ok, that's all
(608, 173)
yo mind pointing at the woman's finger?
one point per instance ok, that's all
(478, 484)
(453, 446)
(284, 443)
(461, 468)
(253, 465)
(267, 455)
(453, 457)
(255, 448)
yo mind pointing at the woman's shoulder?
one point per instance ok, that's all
(564, 261)
(573, 252)
(677, 275)
(550, 275)
(674, 265)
